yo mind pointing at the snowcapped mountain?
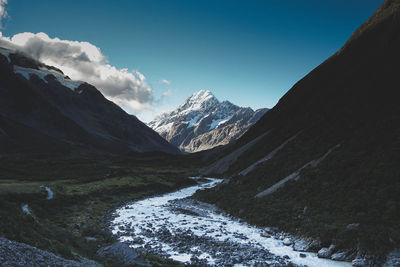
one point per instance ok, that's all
(203, 122)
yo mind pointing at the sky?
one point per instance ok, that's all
(149, 56)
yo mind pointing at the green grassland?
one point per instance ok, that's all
(85, 191)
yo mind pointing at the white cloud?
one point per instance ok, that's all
(167, 82)
(84, 61)
(166, 93)
(3, 11)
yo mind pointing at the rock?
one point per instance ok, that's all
(137, 240)
(339, 256)
(359, 263)
(352, 226)
(287, 242)
(302, 255)
(268, 230)
(392, 259)
(19, 254)
(326, 252)
(121, 253)
(315, 246)
(302, 244)
(265, 235)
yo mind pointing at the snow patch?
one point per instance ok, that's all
(68, 83)
(218, 122)
(193, 122)
(164, 128)
(26, 73)
(42, 73)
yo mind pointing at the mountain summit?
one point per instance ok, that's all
(199, 100)
(203, 122)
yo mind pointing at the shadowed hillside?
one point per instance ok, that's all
(331, 154)
(42, 110)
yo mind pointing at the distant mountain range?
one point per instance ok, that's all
(203, 122)
(43, 110)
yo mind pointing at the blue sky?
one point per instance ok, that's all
(248, 52)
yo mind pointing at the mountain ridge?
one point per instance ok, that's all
(74, 113)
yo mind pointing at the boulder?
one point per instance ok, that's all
(315, 246)
(339, 256)
(326, 252)
(359, 263)
(393, 259)
(302, 244)
(120, 253)
(269, 230)
(265, 235)
(287, 242)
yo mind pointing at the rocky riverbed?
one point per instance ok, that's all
(177, 227)
(18, 254)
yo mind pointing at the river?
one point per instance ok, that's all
(188, 231)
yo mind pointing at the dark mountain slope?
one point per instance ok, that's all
(41, 100)
(348, 106)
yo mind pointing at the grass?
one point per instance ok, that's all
(85, 191)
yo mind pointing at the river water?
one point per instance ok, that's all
(191, 232)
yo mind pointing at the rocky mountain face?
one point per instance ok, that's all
(41, 109)
(202, 122)
(326, 157)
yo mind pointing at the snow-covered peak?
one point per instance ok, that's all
(201, 95)
(202, 107)
(199, 100)
(201, 114)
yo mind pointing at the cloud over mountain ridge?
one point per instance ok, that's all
(85, 61)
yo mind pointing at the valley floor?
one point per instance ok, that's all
(62, 205)
(65, 206)
(177, 227)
